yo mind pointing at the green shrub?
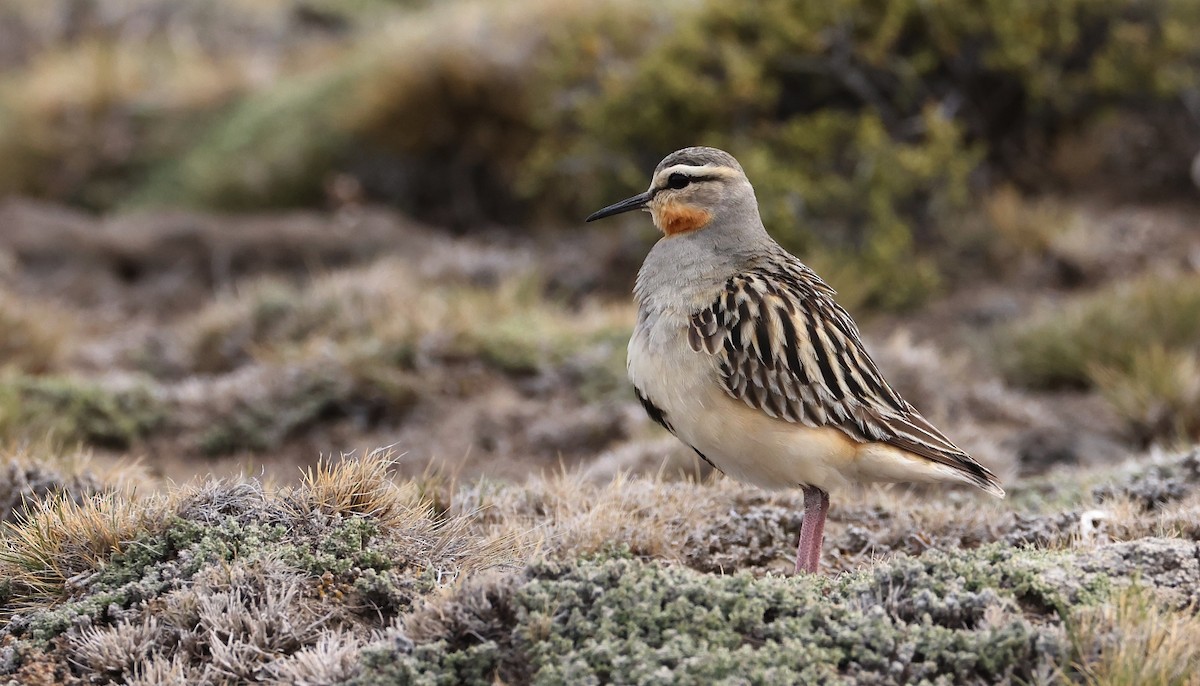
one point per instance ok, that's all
(863, 125)
(860, 123)
(1157, 394)
(867, 127)
(282, 158)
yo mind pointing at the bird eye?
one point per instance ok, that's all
(677, 180)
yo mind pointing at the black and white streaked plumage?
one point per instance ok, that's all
(741, 351)
(785, 347)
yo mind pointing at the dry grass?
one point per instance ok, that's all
(60, 541)
(567, 515)
(364, 487)
(1158, 393)
(1136, 341)
(715, 525)
(36, 335)
(1133, 640)
(721, 525)
(33, 472)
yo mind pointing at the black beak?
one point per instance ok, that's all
(637, 202)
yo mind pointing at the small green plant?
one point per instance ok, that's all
(956, 617)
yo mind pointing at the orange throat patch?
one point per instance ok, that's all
(675, 218)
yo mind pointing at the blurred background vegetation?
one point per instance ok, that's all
(909, 150)
(868, 127)
(239, 235)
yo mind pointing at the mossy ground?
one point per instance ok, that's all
(225, 580)
(954, 618)
(352, 578)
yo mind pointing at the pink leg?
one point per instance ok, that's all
(812, 530)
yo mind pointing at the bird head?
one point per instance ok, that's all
(690, 190)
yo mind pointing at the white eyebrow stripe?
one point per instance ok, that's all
(693, 170)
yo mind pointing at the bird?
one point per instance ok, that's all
(741, 351)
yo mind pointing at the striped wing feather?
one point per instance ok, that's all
(785, 347)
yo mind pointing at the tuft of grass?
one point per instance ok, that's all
(1157, 395)
(1137, 342)
(1133, 639)
(228, 580)
(1061, 347)
(60, 541)
(32, 473)
(35, 335)
(349, 487)
(70, 410)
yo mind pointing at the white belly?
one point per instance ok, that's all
(746, 443)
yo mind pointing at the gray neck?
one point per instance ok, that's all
(686, 270)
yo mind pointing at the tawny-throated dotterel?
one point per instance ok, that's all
(741, 351)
